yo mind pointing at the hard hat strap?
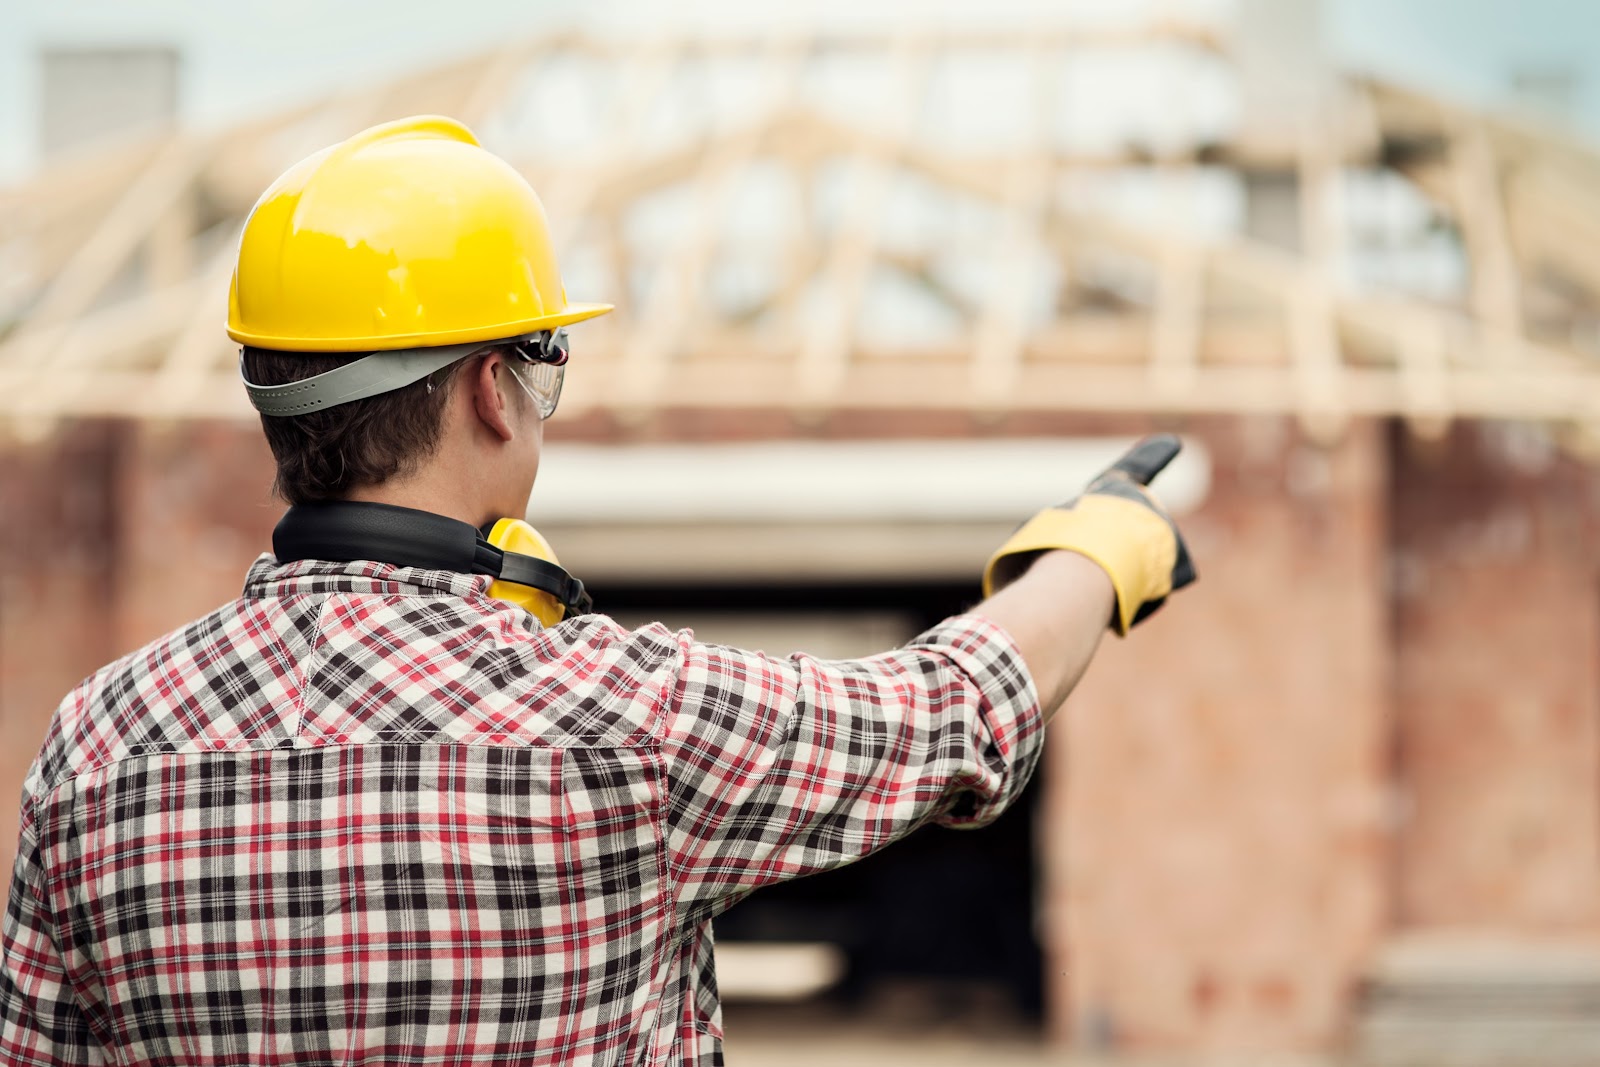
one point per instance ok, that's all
(381, 372)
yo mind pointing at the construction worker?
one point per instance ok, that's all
(405, 801)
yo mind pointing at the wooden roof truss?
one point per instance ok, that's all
(769, 251)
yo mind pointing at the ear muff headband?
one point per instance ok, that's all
(348, 530)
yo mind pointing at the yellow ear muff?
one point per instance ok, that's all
(515, 535)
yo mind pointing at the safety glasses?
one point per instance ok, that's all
(540, 366)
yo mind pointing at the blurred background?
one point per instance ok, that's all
(890, 276)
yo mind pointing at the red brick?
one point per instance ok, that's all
(195, 508)
(1499, 684)
(1216, 844)
(57, 593)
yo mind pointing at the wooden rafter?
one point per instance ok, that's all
(677, 297)
(124, 263)
(1313, 340)
(825, 348)
(1027, 197)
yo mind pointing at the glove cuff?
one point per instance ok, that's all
(1134, 545)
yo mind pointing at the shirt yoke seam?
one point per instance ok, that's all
(306, 670)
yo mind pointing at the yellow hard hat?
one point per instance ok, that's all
(408, 235)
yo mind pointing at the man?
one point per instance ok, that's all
(375, 810)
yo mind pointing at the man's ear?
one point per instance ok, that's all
(489, 400)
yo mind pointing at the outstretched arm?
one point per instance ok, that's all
(1055, 613)
(1110, 554)
(780, 768)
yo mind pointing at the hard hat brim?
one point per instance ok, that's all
(566, 317)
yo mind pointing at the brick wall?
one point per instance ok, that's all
(113, 534)
(57, 531)
(196, 507)
(1498, 670)
(1217, 860)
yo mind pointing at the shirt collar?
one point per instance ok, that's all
(269, 578)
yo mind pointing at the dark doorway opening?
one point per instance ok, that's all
(943, 918)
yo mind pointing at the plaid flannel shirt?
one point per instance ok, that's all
(367, 814)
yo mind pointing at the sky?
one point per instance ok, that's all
(1472, 48)
(246, 56)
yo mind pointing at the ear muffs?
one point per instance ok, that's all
(521, 562)
(513, 536)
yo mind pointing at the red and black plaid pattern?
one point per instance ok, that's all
(367, 815)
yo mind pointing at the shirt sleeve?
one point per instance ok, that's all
(41, 1024)
(782, 768)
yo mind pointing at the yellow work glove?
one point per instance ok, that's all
(1117, 524)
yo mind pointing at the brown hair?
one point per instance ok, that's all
(323, 455)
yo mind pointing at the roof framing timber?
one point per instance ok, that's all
(120, 260)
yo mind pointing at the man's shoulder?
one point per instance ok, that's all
(315, 659)
(485, 672)
(226, 676)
